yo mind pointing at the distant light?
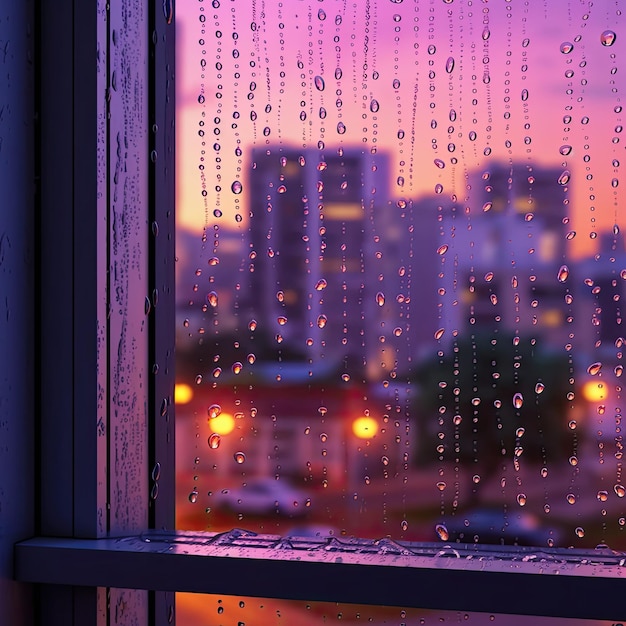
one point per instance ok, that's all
(183, 393)
(223, 424)
(594, 391)
(364, 427)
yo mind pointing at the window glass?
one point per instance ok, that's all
(209, 610)
(400, 265)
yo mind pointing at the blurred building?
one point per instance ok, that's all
(331, 259)
(506, 248)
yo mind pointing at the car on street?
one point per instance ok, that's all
(492, 525)
(264, 496)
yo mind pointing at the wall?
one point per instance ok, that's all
(17, 374)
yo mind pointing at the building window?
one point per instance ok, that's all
(397, 279)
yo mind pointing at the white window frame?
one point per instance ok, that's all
(101, 549)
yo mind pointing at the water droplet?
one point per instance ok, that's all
(321, 284)
(450, 65)
(521, 499)
(395, 84)
(441, 485)
(487, 206)
(518, 400)
(524, 95)
(566, 47)
(341, 128)
(214, 441)
(442, 532)
(282, 320)
(439, 163)
(602, 495)
(539, 387)
(438, 188)
(214, 410)
(252, 324)
(321, 321)
(212, 298)
(236, 187)
(404, 524)
(384, 460)
(239, 457)
(580, 531)
(564, 178)
(321, 15)
(620, 490)
(374, 106)
(193, 496)
(380, 298)
(571, 498)
(439, 333)
(441, 250)
(563, 273)
(573, 461)
(319, 83)
(565, 149)
(608, 37)
(237, 367)
(594, 369)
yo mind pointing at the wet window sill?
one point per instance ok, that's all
(497, 579)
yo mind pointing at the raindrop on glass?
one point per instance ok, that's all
(236, 187)
(442, 532)
(594, 369)
(212, 298)
(608, 37)
(564, 178)
(214, 441)
(239, 457)
(214, 410)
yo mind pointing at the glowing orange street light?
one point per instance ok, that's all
(183, 393)
(364, 427)
(223, 424)
(594, 391)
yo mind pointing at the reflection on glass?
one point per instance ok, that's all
(399, 270)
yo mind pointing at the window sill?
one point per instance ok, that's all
(511, 580)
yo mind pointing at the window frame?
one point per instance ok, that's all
(92, 571)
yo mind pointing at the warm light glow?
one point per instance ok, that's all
(182, 393)
(594, 391)
(364, 427)
(223, 424)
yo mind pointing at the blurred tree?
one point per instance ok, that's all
(492, 397)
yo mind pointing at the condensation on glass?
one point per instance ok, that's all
(399, 270)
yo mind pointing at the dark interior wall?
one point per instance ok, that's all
(17, 379)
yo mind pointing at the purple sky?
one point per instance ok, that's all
(517, 115)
